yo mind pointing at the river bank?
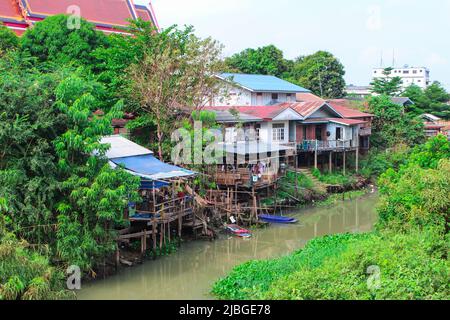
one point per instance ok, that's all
(190, 272)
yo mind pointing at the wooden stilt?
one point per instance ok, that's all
(357, 159)
(330, 162)
(344, 163)
(315, 159)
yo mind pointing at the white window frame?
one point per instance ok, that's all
(278, 132)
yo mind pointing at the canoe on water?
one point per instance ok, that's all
(238, 231)
(277, 219)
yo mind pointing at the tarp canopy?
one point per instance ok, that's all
(148, 167)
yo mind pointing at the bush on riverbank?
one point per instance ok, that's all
(410, 266)
(335, 179)
(26, 274)
(253, 279)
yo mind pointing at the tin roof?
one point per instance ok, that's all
(261, 83)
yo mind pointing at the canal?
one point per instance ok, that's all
(190, 273)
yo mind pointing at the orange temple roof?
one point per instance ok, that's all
(107, 15)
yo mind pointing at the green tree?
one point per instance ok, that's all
(266, 60)
(175, 70)
(8, 40)
(434, 99)
(95, 195)
(321, 72)
(51, 40)
(387, 85)
(391, 126)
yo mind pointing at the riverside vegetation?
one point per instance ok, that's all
(409, 244)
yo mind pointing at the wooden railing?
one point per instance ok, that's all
(243, 177)
(365, 131)
(167, 211)
(313, 145)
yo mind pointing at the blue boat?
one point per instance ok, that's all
(277, 219)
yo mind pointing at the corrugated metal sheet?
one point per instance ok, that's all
(122, 147)
(262, 83)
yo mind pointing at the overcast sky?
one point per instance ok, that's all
(356, 31)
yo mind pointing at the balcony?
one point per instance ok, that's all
(364, 132)
(330, 145)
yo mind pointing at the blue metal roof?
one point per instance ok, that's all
(262, 83)
(147, 166)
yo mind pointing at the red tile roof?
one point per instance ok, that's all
(263, 112)
(349, 122)
(107, 15)
(345, 107)
(303, 97)
(306, 108)
(349, 112)
(9, 10)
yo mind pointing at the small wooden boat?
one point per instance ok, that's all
(277, 219)
(238, 231)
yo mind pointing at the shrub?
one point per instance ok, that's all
(252, 279)
(411, 267)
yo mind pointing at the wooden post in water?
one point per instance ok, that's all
(154, 235)
(255, 205)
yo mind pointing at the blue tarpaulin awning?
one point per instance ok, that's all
(148, 167)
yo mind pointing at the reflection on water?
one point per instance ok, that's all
(190, 273)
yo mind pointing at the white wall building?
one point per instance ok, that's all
(419, 76)
(255, 90)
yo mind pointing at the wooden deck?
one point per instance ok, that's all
(326, 146)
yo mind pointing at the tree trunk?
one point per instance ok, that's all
(160, 135)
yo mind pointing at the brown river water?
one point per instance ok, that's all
(190, 273)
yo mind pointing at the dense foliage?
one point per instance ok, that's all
(24, 273)
(321, 72)
(406, 258)
(434, 100)
(8, 40)
(267, 60)
(54, 41)
(62, 194)
(387, 85)
(392, 126)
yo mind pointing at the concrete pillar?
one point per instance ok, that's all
(330, 162)
(357, 159)
(315, 159)
(344, 164)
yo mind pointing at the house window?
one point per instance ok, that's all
(289, 97)
(274, 96)
(405, 72)
(278, 132)
(305, 133)
(258, 130)
(338, 133)
(319, 133)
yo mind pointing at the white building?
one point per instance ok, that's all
(255, 90)
(419, 76)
